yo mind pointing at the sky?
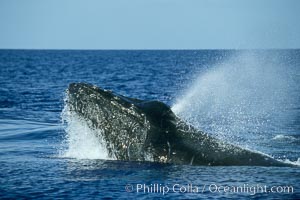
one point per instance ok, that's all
(149, 24)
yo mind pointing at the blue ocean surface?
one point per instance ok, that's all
(249, 98)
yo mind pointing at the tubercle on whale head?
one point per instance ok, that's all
(95, 96)
(88, 89)
(77, 88)
(79, 93)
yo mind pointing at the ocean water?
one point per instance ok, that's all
(248, 98)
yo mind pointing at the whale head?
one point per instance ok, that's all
(132, 129)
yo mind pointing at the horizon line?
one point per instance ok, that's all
(140, 49)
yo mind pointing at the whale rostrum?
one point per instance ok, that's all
(137, 130)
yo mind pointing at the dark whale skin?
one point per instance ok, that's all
(138, 130)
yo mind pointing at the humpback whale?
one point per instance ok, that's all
(136, 130)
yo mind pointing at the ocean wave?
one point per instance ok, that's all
(284, 137)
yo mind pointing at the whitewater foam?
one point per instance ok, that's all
(284, 137)
(296, 163)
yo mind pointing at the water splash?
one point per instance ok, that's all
(81, 142)
(296, 163)
(241, 99)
